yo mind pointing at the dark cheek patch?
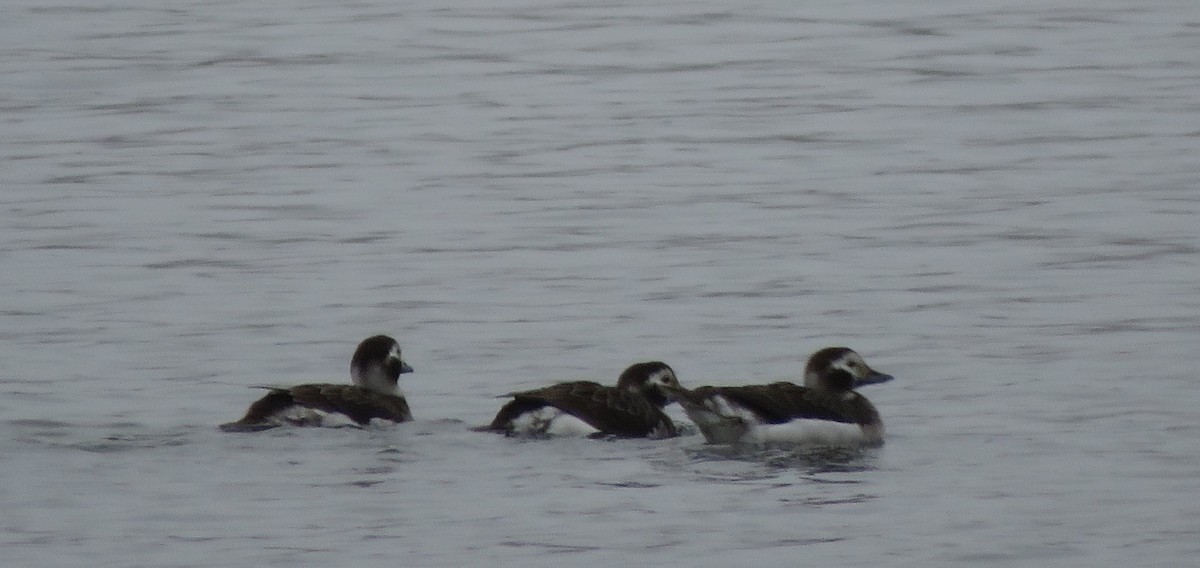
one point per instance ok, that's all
(841, 379)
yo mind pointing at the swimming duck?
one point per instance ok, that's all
(826, 410)
(632, 409)
(375, 370)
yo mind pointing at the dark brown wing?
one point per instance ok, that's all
(522, 402)
(357, 403)
(256, 416)
(360, 404)
(612, 411)
(780, 402)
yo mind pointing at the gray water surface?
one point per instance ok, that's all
(996, 202)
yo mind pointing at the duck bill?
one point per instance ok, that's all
(873, 379)
(676, 394)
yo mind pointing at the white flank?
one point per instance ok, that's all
(301, 416)
(809, 431)
(724, 422)
(550, 421)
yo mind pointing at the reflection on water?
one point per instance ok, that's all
(808, 460)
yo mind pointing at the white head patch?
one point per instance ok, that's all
(662, 377)
(852, 363)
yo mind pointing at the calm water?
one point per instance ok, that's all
(995, 201)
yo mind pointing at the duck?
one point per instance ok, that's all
(631, 409)
(375, 371)
(826, 410)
